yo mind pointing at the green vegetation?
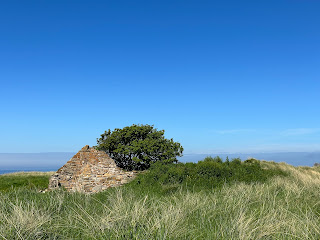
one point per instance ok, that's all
(209, 200)
(205, 175)
(30, 180)
(138, 146)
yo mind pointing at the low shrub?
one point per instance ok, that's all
(206, 174)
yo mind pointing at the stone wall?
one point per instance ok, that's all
(90, 171)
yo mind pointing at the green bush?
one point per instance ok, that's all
(206, 174)
(139, 146)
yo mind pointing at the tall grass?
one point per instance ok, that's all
(282, 207)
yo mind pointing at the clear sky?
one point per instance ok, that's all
(218, 76)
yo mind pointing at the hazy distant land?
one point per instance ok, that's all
(293, 158)
(54, 160)
(34, 161)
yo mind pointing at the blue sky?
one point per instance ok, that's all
(218, 76)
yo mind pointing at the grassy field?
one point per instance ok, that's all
(278, 201)
(29, 180)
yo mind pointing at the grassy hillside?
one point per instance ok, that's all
(210, 200)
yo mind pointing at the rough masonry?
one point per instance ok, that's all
(90, 171)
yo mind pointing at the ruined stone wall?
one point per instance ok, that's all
(90, 171)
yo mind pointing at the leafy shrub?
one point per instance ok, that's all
(139, 146)
(206, 174)
(211, 159)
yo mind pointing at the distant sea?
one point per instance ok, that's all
(44, 162)
(13, 171)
